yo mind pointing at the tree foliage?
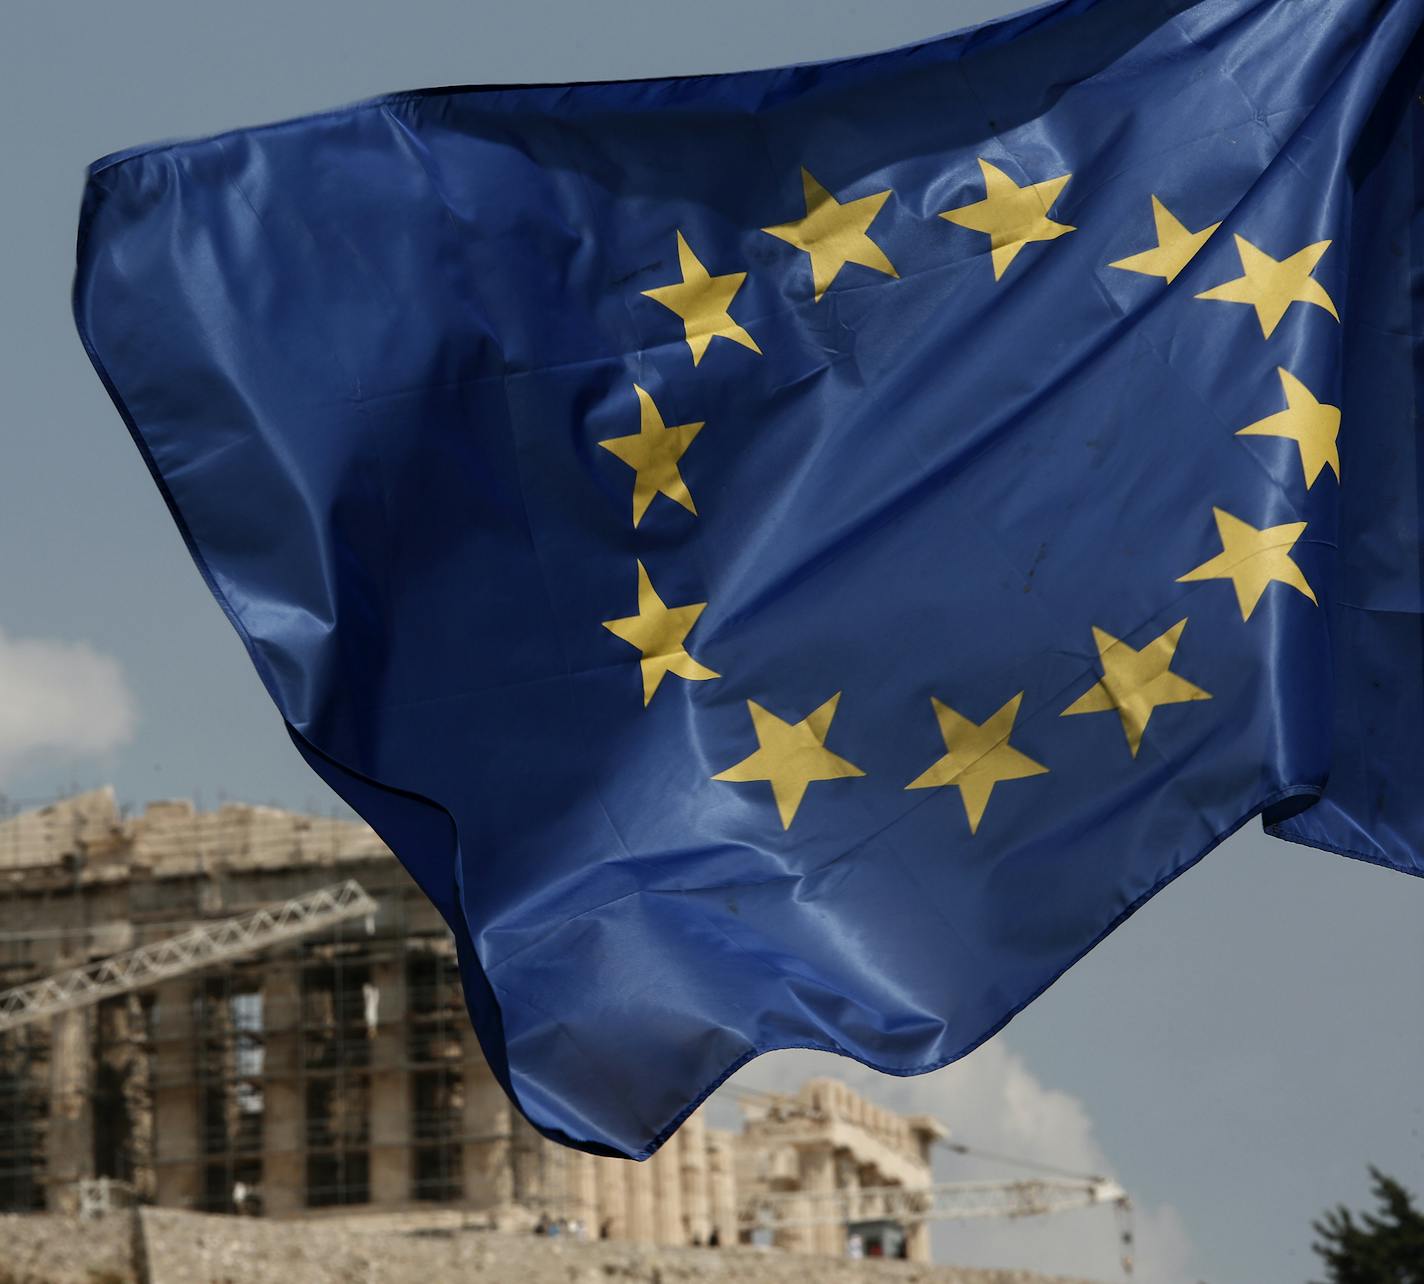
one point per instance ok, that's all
(1382, 1247)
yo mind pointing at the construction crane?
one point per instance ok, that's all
(198, 947)
(937, 1202)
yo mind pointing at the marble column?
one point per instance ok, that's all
(612, 1187)
(69, 1145)
(917, 1241)
(176, 1141)
(696, 1193)
(487, 1122)
(284, 1105)
(818, 1180)
(583, 1190)
(391, 1122)
(642, 1220)
(795, 1236)
(666, 1167)
(722, 1186)
(526, 1161)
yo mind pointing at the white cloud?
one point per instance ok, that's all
(59, 698)
(991, 1100)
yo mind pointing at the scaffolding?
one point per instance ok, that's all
(338, 1069)
(250, 1070)
(24, 1118)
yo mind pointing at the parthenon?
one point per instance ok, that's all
(339, 1073)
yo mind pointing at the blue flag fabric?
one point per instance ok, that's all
(794, 558)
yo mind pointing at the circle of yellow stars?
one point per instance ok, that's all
(833, 232)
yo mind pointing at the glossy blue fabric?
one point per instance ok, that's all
(369, 356)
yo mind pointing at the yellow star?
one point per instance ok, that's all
(1175, 248)
(702, 302)
(652, 453)
(791, 756)
(1136, 682)
(1311, 424)
(1271, 286)
(1252, 559)
(979, 757)
(1011, 215)
(834, 234)
(660, 633)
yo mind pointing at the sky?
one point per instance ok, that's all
(1234, 1055)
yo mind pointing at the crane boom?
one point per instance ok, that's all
(940, 1201)
(198, 947)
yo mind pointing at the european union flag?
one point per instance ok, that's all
(794, 558)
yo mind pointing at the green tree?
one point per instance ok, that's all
(1384, 1247)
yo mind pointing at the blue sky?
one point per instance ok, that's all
(1235, 1055)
